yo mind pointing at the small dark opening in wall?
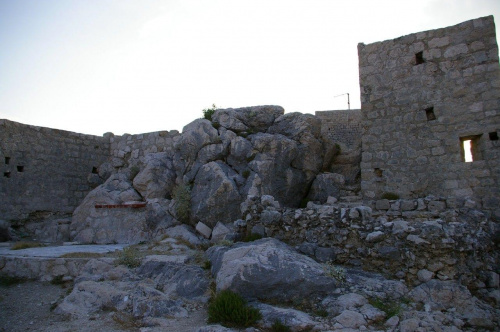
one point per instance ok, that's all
(6, 174)
(378, 172)
(419, 58)
(94, 170)
(493, 136)
(429, 112)
(20, 169)
(7, 160)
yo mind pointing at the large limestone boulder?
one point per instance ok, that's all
(91, 224)
(195, 136)
(215, 196)
(268, 269)
(157, 178)
(275, 175)
(248, 119)
(305, 129)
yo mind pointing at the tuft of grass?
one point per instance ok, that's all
(334, 271)
(6, 280)
(207, 265)
(182, 196)
(231, 310)
(129, 257)
(26, 244)
(391, 308)
(320, 313)
(390, 196)
(82, 255)
(278, 326)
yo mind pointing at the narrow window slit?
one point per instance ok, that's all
(429, 112)
(470, 148)
(419, 58)
(493, 136)
(94, 170)
(7, 160)
(20, 169)
(6, 174)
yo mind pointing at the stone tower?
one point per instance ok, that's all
(430, 101)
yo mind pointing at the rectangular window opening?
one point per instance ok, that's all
(94, 170)
(419, 58)
(20, 169)
(429, 112)
(493, 136)
(6, 174)
(7, 160)
(470, 148)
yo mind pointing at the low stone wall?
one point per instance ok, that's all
(127, 148)
(414, 240)
(42, 268)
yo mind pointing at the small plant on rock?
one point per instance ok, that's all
(129, 257)
(391, 308)
(231, 310)
(252, 237)
(390, 196)
(182, 196)
(334, 271)
(26, 244)
(208, 112)
(278, 326)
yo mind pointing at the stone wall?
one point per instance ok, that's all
(127, 148)
(46, 170)
(422, 95)
(341, 126)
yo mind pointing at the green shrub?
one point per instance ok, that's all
(129, 257)
(391, 308)
(246, 173)
(26, 244)
(182, 196)
(333, 271)
(208, 112)
(390, 196)
(278, 326)
(231, 310)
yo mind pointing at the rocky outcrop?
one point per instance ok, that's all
(157, 178)
(246, 151)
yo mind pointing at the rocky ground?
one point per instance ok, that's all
(28, 306)
(167, 285)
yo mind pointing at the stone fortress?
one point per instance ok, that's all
(350, 205)
(423, 95)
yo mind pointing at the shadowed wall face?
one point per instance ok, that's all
(46, 170)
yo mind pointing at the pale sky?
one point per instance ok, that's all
(136, 66)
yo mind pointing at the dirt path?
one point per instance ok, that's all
(27, 307)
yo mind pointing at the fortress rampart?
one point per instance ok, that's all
(423, 95)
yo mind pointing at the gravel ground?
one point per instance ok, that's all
(27, 307)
